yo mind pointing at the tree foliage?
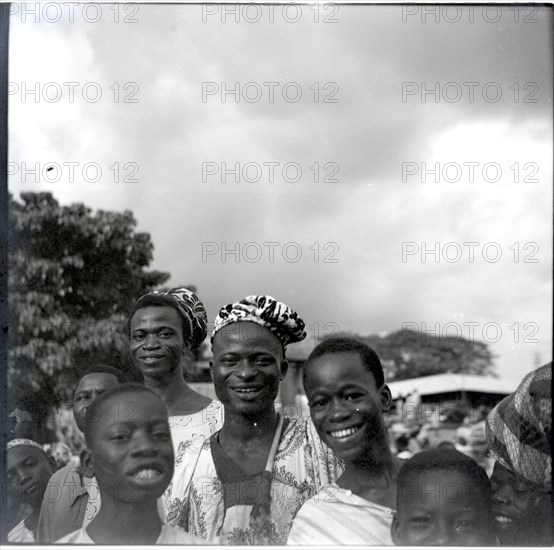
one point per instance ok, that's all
(410, 354)
(73, 275)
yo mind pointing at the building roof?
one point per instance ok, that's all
(445, 383)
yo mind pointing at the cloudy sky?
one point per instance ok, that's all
(364, 136)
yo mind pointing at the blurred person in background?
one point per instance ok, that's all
(402, 447)
(428, 436)
(476, 447)
(164, 328)
(519, 431)
(72, 499)
(28, 470)
(60, 452)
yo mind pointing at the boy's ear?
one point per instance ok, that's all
(394, 530)
(87, 462)
(386, 398)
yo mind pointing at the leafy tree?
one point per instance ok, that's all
(410, 354)
(73, 275)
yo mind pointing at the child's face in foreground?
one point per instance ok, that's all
(441, 508)
(131, 453)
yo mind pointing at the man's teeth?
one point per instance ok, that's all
(344, 433)
(148, 473)
(246, 390)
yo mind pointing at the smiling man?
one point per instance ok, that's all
(165, 326)
(252, 476)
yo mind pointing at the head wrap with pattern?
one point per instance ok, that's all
(191, 310)
(519, 428)
(267, 312)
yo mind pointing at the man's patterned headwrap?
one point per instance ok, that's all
(266, 312)
(519, 428)
(192, 311)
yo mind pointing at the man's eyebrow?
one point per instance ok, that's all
(160, 327)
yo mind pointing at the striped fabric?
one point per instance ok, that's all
(21, 533)
(335, 516)
(519, 428)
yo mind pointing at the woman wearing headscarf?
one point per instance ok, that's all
(518, 433)
(164, 326)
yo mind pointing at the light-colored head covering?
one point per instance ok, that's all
(26, 443)
(519, 428)
(267, 312)
(192, 311)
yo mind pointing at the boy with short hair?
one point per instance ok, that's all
(71, 499)
(129, 451)
(443, 498)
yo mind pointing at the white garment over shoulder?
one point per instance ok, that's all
(335, 516)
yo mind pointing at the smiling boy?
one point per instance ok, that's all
(129, 451)
(71, 499)
(347, 394)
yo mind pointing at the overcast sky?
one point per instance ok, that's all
(386, 92)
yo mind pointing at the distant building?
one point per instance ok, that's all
(474, 390)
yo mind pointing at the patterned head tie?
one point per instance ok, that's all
(267, 312)
(192, 312)
(25, 443)
(519, 429)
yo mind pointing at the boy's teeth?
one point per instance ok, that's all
(344, 433)
(246, 390)
(147, 474)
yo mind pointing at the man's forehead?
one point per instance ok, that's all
(155, 314)
(245, 333)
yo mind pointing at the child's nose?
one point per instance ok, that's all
(143, 445)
